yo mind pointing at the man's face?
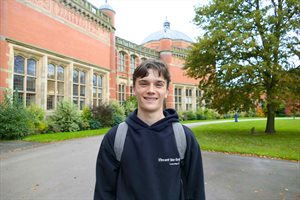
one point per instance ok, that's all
(151, 91)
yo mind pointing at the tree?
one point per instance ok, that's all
(247, 53)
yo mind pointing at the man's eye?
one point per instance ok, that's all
(159, 84)
(143, 84)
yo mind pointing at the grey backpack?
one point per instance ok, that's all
(122, 132)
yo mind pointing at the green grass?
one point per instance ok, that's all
(237, 138)
(53, 137)
(226, 137)
(206, 120)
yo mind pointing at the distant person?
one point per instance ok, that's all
(149, 166)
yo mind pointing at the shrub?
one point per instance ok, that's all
(66, 118)
(94, 124)
(86, 116)
(14, 118)
(250, 113)
(37, 122)
(281, 111)
(190, 115)
(130, 105)
(43, 127)
(211, 114)
(205, 113)
(118, 115)
(180, 115)
(243, 114)
(259, 112)
(86, 113)
(103, 114)
(200, 115)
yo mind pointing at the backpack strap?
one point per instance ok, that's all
(120, 139)
(180, 138)
(122, 132)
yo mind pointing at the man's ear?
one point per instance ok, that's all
(133, 89)
(167, 93)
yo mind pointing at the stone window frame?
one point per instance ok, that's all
(59, 92)
(178, 97)
(133, 62)
(26, 92)
(198, 95)
(188, 98)
(97, 100)
(79, 99)
(121, 61)
(121, 93)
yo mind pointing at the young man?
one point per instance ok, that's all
(150, 167)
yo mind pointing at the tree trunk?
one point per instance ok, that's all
(270, 128)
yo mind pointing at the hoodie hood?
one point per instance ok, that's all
(137, 124)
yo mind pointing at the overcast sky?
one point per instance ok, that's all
(136, 19)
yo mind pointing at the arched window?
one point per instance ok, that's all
(198, 96)
(121, 64)
(188, 99)
(79, 88)
(97, 89)
(178, 98)
(25, 79)
(19, 64)
(121, 93)
(55, 85)
(132, 63)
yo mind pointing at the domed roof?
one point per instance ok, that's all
(167, 33)
(106, 6)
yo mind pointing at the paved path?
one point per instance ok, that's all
(66, 171)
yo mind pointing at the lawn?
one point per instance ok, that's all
(225, 137)
(52, 137)
(237, 138)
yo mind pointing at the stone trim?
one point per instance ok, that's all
(135, 48)
(41, 51)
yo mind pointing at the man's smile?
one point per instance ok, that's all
(150, 98)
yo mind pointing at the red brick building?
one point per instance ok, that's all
(67, 49)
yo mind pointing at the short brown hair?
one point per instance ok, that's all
(142, 70)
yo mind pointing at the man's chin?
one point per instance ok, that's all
(150, 108)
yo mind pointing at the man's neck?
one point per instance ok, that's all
(150, 117)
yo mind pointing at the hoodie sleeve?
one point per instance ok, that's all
(192, 170)
(107, 168)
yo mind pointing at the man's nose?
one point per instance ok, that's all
(151, 88)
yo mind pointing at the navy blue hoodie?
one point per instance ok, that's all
(150, 166)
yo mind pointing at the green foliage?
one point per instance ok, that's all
(103, 113)
(189, 115)
(118, 115)
(86, 113)
(250, 113)
(200, 114)
(14, 118)
(205, 113)
(86, 116)
(66, 118)
(180, 115)
(50, 137)
(245, 53)
(238, 138)
(130, 105)
(281, 111)
(94, 124)
(37, 122)
(43, 127)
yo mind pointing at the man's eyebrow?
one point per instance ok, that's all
(143, 80)
(161, 81)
